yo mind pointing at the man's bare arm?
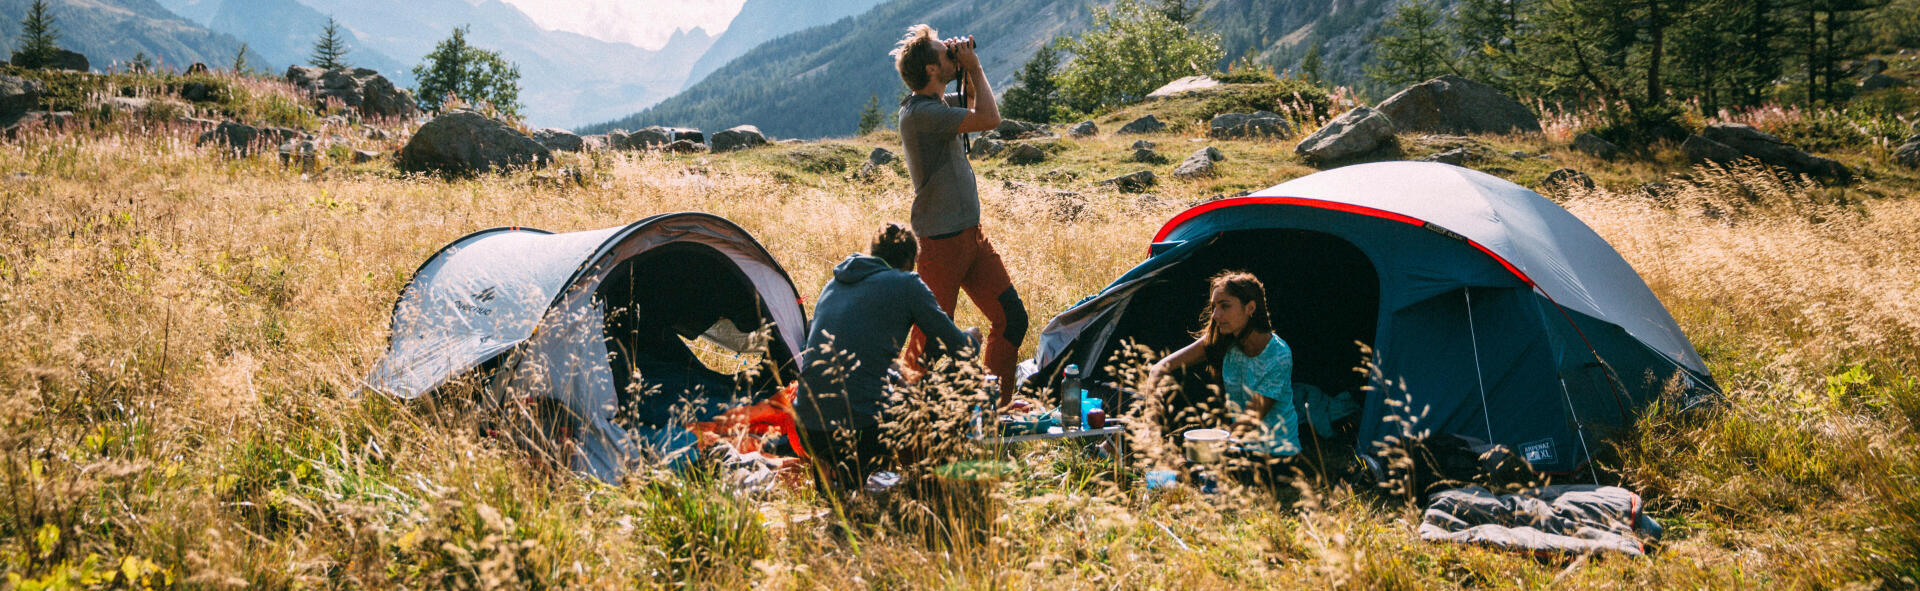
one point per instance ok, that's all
(986, 112)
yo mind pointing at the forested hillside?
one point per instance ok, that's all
(760, 21)
(107, 31)
(813, 83)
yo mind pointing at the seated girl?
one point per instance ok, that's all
(1255, 366)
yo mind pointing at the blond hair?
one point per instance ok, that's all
(914, 53)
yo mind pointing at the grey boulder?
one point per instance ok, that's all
(738, 137)
(1772, 150)
(1147, 155)
(1083, 129)
(18, 95)
(1700, 149)
(1012, 129)
(986, 147)
(559, 140)
(240, 138)
(1880, 81)
(1908, 154)
(1451, 104)
(1026, 154)
(1198, 164)
(880, 156)
(61, 59)
(1133, 182)
(1245, 125)
(360, 89)
(1567, 178)
(465, 142)
(1147, 124)
(1357, 133)
(1593, 145)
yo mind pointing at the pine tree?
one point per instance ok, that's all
(140, 64)
(456, 69)
(1311, 67)
(240, 64)
(1412, 46)
(330, 51)
(37, 37)
(1034, 94)
(1181, 12)
(870, 118)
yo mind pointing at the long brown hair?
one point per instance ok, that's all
(1242, 286)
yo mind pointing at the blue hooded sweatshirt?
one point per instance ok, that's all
(860, 323)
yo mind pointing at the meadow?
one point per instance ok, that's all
(183, 335)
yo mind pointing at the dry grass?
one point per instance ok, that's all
(181, 334)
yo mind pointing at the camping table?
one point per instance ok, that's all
(1113, 433)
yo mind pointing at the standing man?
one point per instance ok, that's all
(954, 253)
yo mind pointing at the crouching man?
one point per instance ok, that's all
(860, 323)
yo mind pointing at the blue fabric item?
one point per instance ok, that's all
(860, 323)
(1487, 311)
(1267, 375)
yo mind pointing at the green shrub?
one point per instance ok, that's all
(1636, 128)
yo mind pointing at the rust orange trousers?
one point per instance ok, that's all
(966, 261)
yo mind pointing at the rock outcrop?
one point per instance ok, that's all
(242, 139)
(1262, 124)
(986, 147)
(880, 157)
(17, 96)
(1011, 129)
(1183, 86)
(1198, 164)
(465, 142)
(738, 138)
(361, 89)
(1451, 104)
(1772, 150)
(61, 59)
(1025, 154)
(1083, 129)
(1593, 145)
(1133, 182)
(1358, 133)
(559, 140)
(1567, 178)
(1908, 154)
(1147, 124)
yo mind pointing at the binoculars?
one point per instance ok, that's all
(953, 49)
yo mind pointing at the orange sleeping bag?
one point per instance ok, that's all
(746, 428)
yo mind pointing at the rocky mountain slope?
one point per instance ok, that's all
(290, 38)
(760, 21)
(107, 31)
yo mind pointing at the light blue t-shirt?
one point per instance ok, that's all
(1269, 374)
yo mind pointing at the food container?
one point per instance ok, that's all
(1205, 445)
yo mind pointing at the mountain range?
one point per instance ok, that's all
(813, 83)
(108, 31)
(760, 21)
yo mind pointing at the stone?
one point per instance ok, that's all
(594, 143)
(686, 147)
(1451, 104)
(18, 95)
(738, 137)
(302, 152)
(880, 156)
(11, 127)
(1873, 66)
(361, 89)
(240, 138)
(1358, 133)
(1880, 82)
(1147, 124)
(1456, 157)
(1083, 129)
(1772, 150)
(1183, 86)
(1147, 155)
(1566, 178)
(61, 59)
(1025, 154)
(196, 68)
(465, 142)
(1700, 149)
(1198, 164)
(1012, 129)
(1246, 125)
(365, 156)
(1133, 182)
(1908, 154)
(986, 147)
(126, 104)
(1141, 145)
(559, 140)
(1593, 145)
(644, 139)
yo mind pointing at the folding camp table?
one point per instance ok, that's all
(1112, 433)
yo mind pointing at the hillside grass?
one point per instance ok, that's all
(182, 336)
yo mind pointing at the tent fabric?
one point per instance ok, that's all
(530, 305)
(1490, 312)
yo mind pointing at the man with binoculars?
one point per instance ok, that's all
(954, 253)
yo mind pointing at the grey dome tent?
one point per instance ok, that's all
(596, 324)
(1494, 313)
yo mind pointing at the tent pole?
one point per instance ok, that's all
(1471, 332)
(1579, 429)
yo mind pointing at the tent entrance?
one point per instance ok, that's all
(656, 304)
(1325, 295)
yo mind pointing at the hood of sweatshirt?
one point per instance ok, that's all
(858, 267)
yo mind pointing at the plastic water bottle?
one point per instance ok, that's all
(1070, 397)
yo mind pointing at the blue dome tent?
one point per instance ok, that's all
(1489, 311)
(595, 325)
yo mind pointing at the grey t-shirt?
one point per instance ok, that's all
(945, 199)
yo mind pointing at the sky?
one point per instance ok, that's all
(646, 23)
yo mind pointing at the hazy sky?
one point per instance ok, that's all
(646, 23)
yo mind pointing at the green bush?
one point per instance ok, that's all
(1636, 128)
